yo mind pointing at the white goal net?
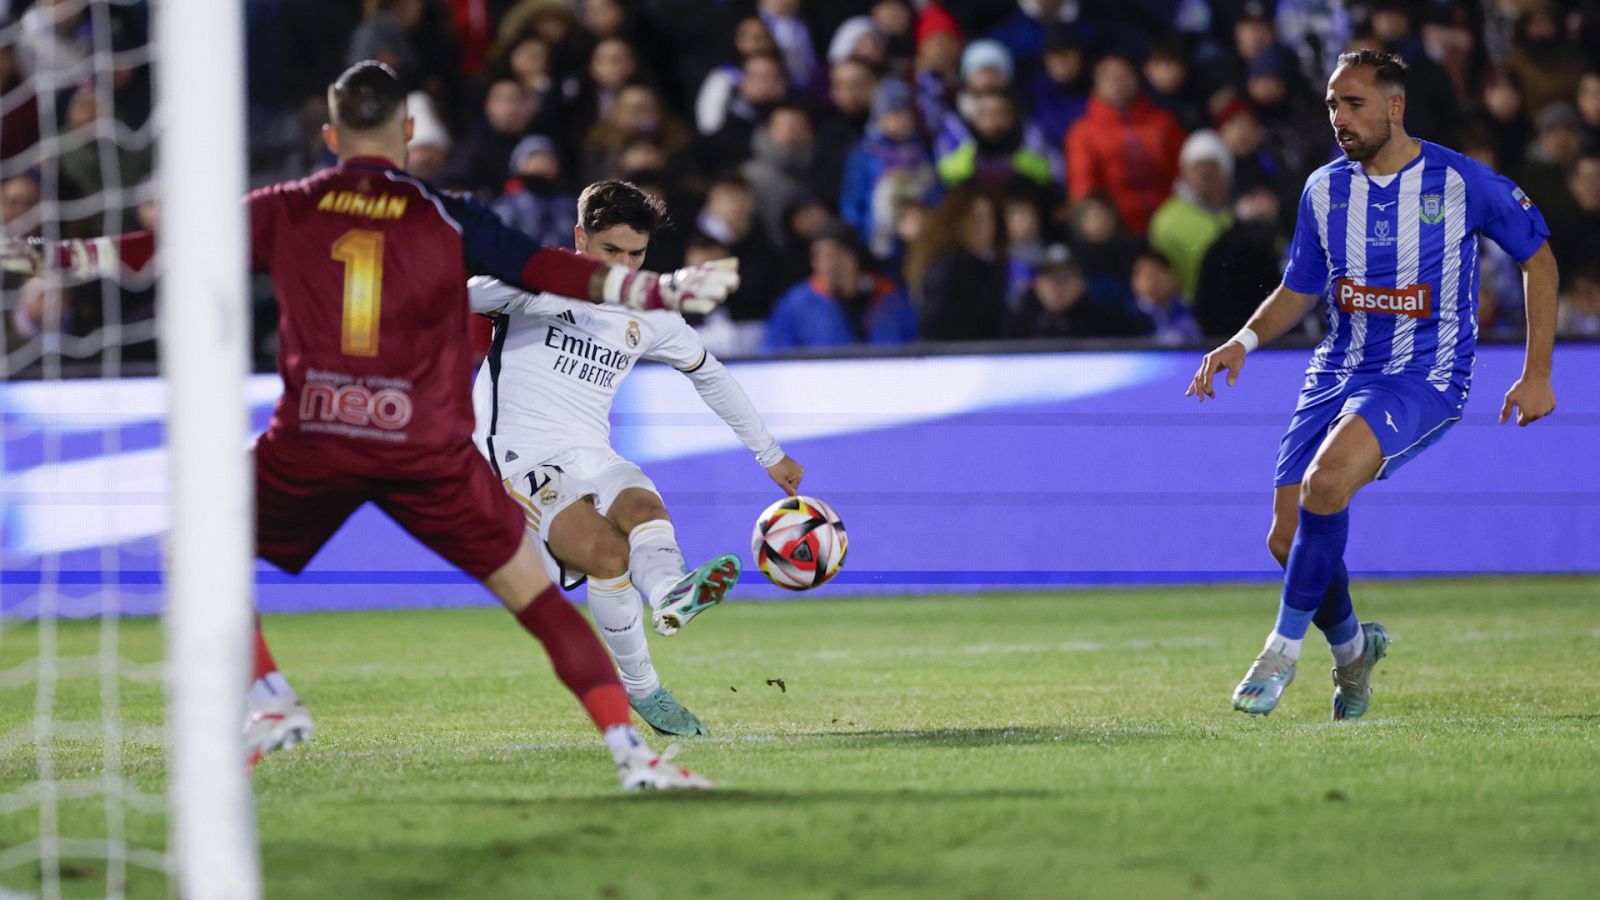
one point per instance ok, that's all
(124, 494)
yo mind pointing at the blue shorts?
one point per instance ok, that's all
(1407, 414)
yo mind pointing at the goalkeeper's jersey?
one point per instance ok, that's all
(555, 365)
(369, 266)
(1398, 263)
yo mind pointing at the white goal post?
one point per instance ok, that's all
(204, 329)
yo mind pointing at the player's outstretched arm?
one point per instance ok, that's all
(1532, 396)
(722, 394)
(693, 289)
(1277, 314)
(494, 248)
(85, 259)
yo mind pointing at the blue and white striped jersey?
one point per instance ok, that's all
(1398, 264)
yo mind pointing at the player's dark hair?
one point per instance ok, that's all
(793, 106)
(365, 97)
(607, 204)
(1388, 69)
(729, 179)
(768, 55)
(1156, 256)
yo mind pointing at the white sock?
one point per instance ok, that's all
(1348, 652)
(616, 608)
(622, 740)
(269, 687)
(1289, 647)
(654, 560)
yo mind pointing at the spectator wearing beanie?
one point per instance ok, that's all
(890, 161)
(1197, 212)
(536, 202)
(429, 147)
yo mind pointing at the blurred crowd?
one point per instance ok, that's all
(896, 170)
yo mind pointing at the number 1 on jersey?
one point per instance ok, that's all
(361, 251)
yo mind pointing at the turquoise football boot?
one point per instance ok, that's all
(666, 715)
(1352, 684)
(697, 592)
(1263, 685)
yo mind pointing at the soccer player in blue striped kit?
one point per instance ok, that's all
(1389, 234)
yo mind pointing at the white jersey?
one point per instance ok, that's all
(555, 366)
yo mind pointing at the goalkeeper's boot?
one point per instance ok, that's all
(696, 592)
(666, 715)
(1352, 684)
(1263, 685)
(281, 723)
(643, 770)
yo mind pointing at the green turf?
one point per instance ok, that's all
(1045, 745)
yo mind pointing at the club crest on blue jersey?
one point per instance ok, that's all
(1432, 210)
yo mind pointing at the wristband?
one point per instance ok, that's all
(1247, 339)
(615, 279)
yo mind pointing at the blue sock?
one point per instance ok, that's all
(1315, 558)
(1336, 617)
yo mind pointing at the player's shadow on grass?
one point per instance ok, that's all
(739, 797)
(922, 739)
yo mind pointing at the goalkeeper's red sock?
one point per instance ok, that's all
(264, 663)
(267, 684)
(580, 660)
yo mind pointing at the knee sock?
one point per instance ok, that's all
(1315, 558)
(654, 560)
(1337, 620)
(616, 608)
(579, 658)
(267, 683)
(264, 663)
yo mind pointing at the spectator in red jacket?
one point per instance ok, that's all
(1124, 145)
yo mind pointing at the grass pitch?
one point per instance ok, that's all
(1074, 744)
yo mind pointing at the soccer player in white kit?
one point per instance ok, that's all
(543, 402)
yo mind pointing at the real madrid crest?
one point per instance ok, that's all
(548, 496)
(1432, 209)
(633, 335)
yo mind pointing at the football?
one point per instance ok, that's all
(799, 543)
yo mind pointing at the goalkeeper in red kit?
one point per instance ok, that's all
(370, 268)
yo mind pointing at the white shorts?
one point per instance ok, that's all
(544, 488)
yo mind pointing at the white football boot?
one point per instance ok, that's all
(281, 723)
(643, 770)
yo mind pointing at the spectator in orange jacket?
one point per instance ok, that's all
(1124, 145)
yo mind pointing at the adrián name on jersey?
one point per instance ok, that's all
(1410, 301)
(581, 358)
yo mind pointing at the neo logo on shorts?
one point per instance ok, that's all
(1410, 301)
(355, 404)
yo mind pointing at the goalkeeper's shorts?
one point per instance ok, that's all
(462, 514)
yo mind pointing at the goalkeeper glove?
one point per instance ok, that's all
(693, 289)
(84, 260)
